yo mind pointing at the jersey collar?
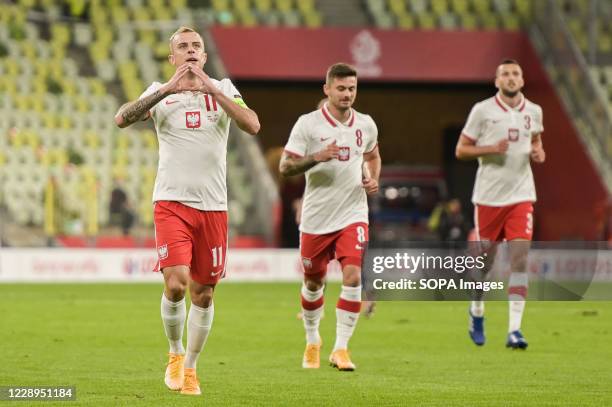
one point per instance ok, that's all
(332, 120)
(520, 107)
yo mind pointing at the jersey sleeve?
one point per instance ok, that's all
(149, 91)
(372, 141)
(473, 126)
(298, 139)
(538, 121)
(228, 88)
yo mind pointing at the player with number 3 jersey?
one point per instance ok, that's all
(504, 133)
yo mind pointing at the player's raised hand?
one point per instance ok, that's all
(502, 146)
(206, 85)
(328, 153)
(538, 155)
(174, 84)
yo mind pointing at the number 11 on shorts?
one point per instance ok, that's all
(217, 255)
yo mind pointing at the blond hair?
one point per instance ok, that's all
(182, 29)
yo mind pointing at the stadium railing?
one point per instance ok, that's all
(567, 66)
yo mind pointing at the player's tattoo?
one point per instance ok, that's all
(131, 112)
(290, 166)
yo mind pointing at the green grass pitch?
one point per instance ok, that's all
(107, 340)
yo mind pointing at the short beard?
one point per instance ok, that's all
(341, 108)
(509, 94)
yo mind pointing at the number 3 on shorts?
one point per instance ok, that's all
(361, 234)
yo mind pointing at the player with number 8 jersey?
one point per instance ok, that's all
(331, 145)
(192, 114)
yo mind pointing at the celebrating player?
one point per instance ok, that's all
(192, 113)
(332, 145)
(504, 133)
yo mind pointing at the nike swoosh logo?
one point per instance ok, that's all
(495, 121)
(169, 102)
(358, 247)
(325, 139)
(214, 274)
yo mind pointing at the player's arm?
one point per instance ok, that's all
(538, 155)
(245, 118)
(137, 110)
(371, 174)
(291, 164)
(468, 150)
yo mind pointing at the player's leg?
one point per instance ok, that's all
(349, 251)
(316, 254)
(519, 231)
(174, 252)
(208, 267)
(199, 325)
(489, 226)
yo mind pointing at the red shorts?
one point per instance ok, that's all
(346, 245)
(191, 237)
(496, 223)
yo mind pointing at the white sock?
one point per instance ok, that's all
(173, 318)
(477, 308)
(517, 291)
(347, 314)
(312, 317)
(199, 323)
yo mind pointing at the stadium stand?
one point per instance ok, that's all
(64, 67)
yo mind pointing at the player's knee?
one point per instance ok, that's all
(519, 263)
(176, 289)
(351, 275)
(202, 297)
(176, 284)
(313, 283)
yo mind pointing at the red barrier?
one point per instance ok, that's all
(389, 55)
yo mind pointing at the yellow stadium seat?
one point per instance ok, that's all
(523, 7)
(398, 7)
(220, 5)
(469, 22)
(510, 22)
(313, 20)
(604, 43)
(306, 5)
(482, 6)
(439, 7)
(459, 6)
(284, 5)
(263, 6)
(242, 6)
(426, 21)
(489, 21)
(406, 22)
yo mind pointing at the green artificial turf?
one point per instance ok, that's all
(108, 341)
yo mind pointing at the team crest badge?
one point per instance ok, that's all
(344, 154)
(192, 120)
(513, 134)
(307, 262)
(162, 251)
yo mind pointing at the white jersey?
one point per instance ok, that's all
(192, 131)
(504, 179)
(334, 196)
